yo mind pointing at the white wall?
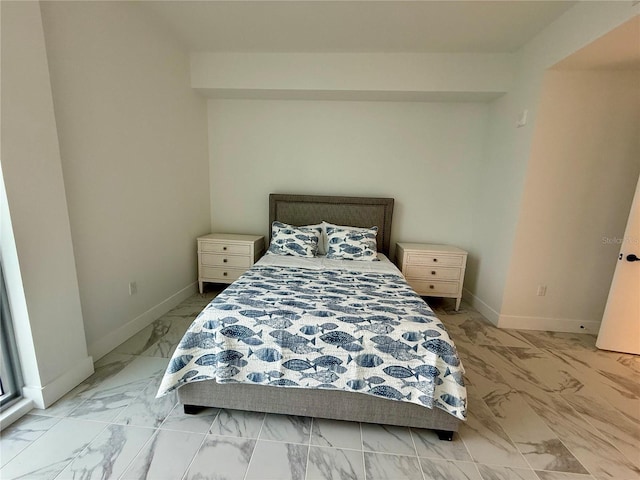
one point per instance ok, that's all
(133, 142)
(494, 195)
(498, 203)
(354, 76)
(584, 165)
(36, 244)
(425, 155)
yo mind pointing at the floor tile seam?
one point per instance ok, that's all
(288, 442)
(496, 369)
(475, 465)
(150, 379)
(570, 473)
(142, 354)
(616, 385)
(264, 418)
(468, 462)
(464, 444)
(544, 351)
(82, 450)
(336, 448)
(549, 430)
(544, 385)
(491, 464)
(618, 413)
(563, 442)
(70, 412)
(125, 363)
(509, 438)
(466, 447)
(567, 365)
(38, 414)
(332, 445)
(389, 454)
(600, 374)
(108, 422)
(193, 458)
(124, 423)
(151, 438)
(522, 385)
(306, 468)
(43, 431)
(227, 436)
(277, 442)
(498, 465)
(627, 367)
(115, 419)
(415, 449)
(593, 429)
(169, 414)
(614, 406)
(215, 417)
(364, 463)
(517, 445)
(603, 436)
(516, 332)
(172, 317)
(3, 465)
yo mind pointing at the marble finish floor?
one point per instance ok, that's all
(543, 406)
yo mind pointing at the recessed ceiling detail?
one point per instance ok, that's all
(356, 26)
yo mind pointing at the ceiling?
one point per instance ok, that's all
(619, 49)
(451, 26)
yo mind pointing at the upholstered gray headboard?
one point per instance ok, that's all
(352, 211)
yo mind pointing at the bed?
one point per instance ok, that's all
(298, 361)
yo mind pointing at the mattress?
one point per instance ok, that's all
(318, 323)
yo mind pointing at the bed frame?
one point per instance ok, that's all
(333, 404)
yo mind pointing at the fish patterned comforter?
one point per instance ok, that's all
(323, 329)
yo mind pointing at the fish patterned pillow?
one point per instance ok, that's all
(348, 244)
(295, 241)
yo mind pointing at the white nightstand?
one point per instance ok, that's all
(433, 270)
(223, 257)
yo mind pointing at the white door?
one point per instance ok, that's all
(620, 327)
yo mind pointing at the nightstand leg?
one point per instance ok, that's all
(201, 287)
(458, 300)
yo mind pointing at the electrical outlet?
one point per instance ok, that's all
(542, 290)
(133, 288)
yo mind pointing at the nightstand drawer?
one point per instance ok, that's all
(423, 272)
(433, 270)
(427, 288)
(223, 247)
(434, 259)
(213, 274)
(216, 260)
(223, 257)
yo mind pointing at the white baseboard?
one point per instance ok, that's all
(14, 412)
(531, 323)
(486, 311)
(100, 348)
(549, 324)
(46, 395)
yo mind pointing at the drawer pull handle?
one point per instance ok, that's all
(224, 274)
(433, 272)
(431, 287)
(224, 248)
(224, 260)
(435, 259)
